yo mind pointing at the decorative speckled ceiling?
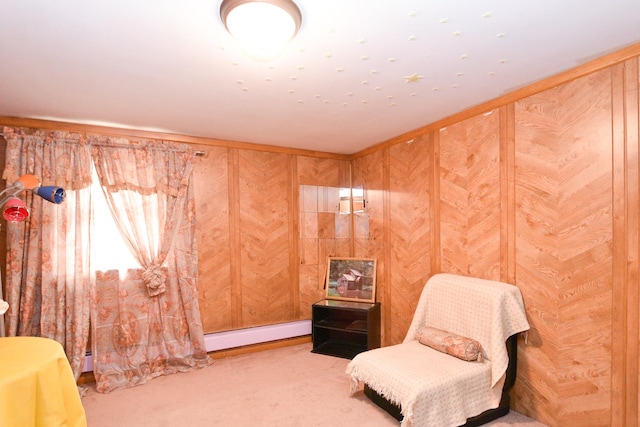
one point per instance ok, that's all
(358, 72)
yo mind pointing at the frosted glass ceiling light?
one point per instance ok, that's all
(262, 28)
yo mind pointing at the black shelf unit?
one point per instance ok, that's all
(345, 328)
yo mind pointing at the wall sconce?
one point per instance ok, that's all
(262, 28)
(14, 209)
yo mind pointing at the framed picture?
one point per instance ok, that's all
(351, 279)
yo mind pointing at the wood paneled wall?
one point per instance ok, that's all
(255, 267)
(542, 192)
(564, 242)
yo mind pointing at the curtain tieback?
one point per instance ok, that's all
(155, 280)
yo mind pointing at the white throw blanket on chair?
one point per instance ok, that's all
(433, 388)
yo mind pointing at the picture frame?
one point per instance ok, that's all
(351, 279)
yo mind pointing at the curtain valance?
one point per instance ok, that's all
(142, 166)
(71, 159)
(65, 163)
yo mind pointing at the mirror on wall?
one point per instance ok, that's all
(326, 213)
(331, 219)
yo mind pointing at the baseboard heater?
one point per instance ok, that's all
(242, 337)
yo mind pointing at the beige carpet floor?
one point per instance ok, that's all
(281, 387)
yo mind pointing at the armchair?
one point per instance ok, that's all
(422, 386)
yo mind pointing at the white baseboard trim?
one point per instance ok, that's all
(241, 337)
(256, 335)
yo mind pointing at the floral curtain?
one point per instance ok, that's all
(48, 268)
(149, 323)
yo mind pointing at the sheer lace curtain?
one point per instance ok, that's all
(149, 323)
(144, 324)
(48, 268)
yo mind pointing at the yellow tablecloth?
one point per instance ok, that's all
(37, 387)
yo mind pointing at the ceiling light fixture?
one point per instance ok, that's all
(262, 28)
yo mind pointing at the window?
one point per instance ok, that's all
(112, 253)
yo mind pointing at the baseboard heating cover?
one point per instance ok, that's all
(241, 337)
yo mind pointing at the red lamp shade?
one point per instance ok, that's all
(15, 210)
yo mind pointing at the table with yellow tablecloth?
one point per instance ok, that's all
(37, 387)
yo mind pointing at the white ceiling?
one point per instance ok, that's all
(342, 84)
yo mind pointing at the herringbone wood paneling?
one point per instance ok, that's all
(264, 238)
(470, 197)
(368, 172)
(563, 250)
(409, 263)
(323, 172)
(214, 271)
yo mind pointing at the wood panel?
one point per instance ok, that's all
(619, 336)
(632, 156)
(563, 250)
(626, 235)
(323, 172)
(433, 139)
(470, 197)
(409, 238)
(368, 172)
(293, 204)
(264, 238)
(507, 194)
(214, 271)
(537, 391)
